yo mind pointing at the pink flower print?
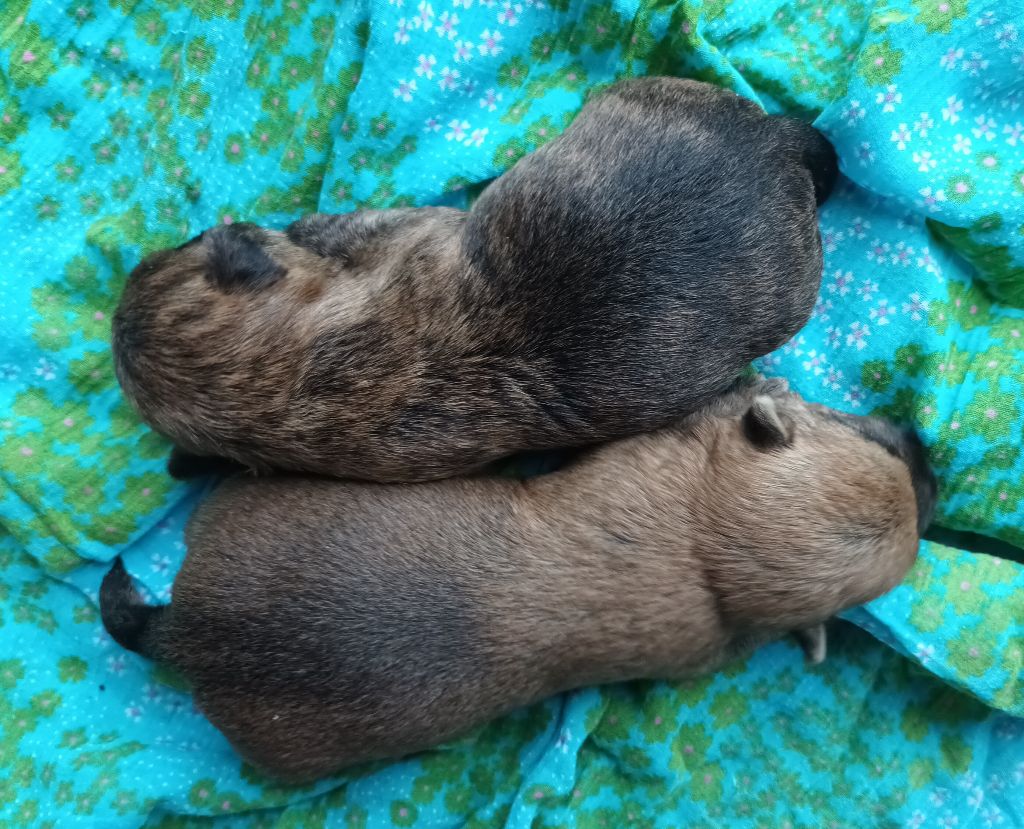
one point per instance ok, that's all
(402, 32)
(490, 43)
(950, 111)
(425, 66)
(985, 129)
(879, 251)
(815, 363)
(923, 124)
(961, 144)
(931, 200)
(902, 254)
(975, 65)
(833, 336)
(133, 712)
(951, 58)
(1013, 133)
(833, 379)
(867, 289)
(840, 283)
(855, 396)
(858, 335)
(404, 90)
(821, 309)
(424, 18)
(916, 307)
(458, 130)
(449, 79)
(432, 124)
(509, 14)
(880, 313)
(1006, 36)
(901, 136)
(859, 228)
(890, 98)
(924, 161)
(463, 51)
(490, 100)
(852, 113)
(446, 26)
(864, 154)
(477, 138)
(830, 239)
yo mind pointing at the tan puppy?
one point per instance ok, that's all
(324, 623)
(618, 278)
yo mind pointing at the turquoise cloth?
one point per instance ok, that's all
(128, 126)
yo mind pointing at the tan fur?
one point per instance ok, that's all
(325, 623)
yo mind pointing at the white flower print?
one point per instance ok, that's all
(490, 43)
(974, 65)
(449, 79)
(951, 58)
(950, 112)
(402, 32)
(855, 396)
(46, 369)
(821, 309)
(815, 363)
(458, 130)
(133, 712)
(853, 112)
(833, 336)
(880, 313)
(949, 820)
(985, 128)
(939, 796)
(490, 100)
(840, 283)
(830, 238)
(396, 3)
(976, 797)
(1006, 36)
(464, 4)
(9, 371)
(463, 51)
(924, 653)
(432, 124)
(902, 255)
(159, 564)
(987, 19)
(890, 98)
(961, 144)
(425, 66)
(931, 200)
(562, 743)
(770, 361)
(867, 289)
(477, 138)
(916, 820)
(446, 25)
(833, 379)
(864, 154)
(424, 18)
(1018, 58)
(859, 228)
(509, 14)
(404, 90)
(924, 123)
(924, 161)
(116, 664)
(992, 816)
(900, 136)
(1013, 133)
(469, 87)
(917, 307)
(792, 346)
(858, 336)
(878, 251)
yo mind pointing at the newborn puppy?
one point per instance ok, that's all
(614, 280)
(324, 623)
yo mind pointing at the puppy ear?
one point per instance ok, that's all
(763, 425)
(237, 260)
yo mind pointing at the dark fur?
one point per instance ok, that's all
(324, 623)
(617, 278)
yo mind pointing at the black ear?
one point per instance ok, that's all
(763, 425)
(238, 261)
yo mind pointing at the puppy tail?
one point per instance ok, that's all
(820, 158)
(131, 623)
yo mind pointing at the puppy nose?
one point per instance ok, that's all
(926, 487)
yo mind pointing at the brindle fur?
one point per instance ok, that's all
(612, 281)
(323, 623)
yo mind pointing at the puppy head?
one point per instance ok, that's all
(829, 507)
(212, 339)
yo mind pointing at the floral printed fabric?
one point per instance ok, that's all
(126, 126)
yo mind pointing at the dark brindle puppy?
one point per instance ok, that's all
(324, 623)
(615, 279)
